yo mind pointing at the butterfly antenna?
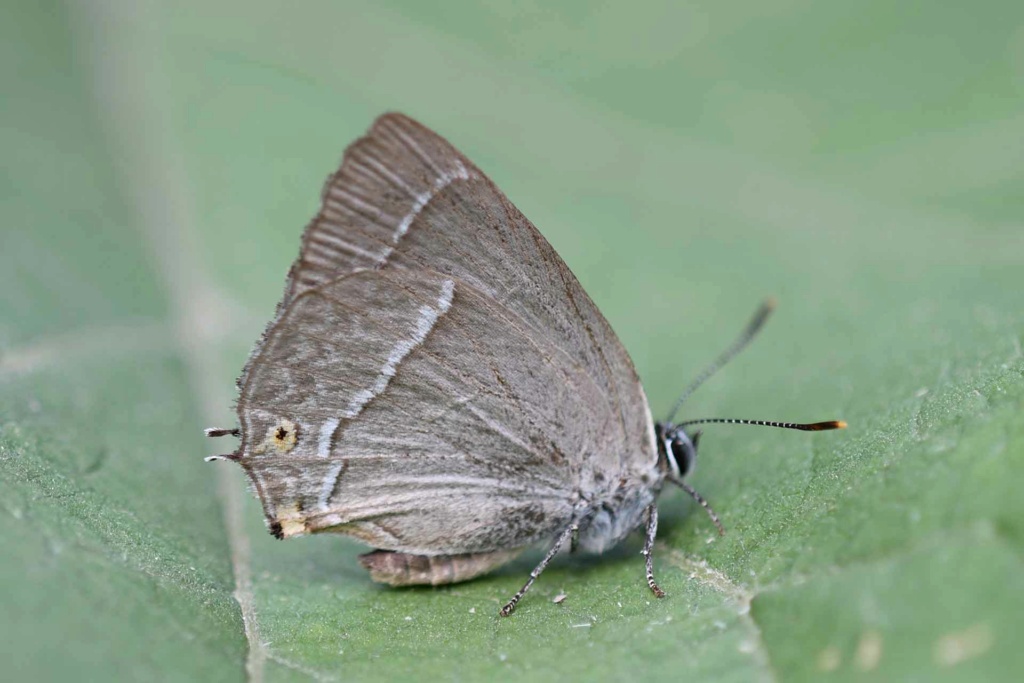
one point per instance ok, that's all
(804, 427)
(741, 342)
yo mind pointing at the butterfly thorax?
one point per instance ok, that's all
(616, 511)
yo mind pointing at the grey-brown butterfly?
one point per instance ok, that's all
(437, 384)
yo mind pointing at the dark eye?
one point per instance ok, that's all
(684, 455)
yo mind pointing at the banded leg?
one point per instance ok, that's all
(562, 538)
(703, 503)
(652, 531)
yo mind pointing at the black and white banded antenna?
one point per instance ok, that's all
(741, 342)
(749, 332)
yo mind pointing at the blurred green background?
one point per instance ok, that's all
(859, 160)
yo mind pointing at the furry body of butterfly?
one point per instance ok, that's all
(437, 384)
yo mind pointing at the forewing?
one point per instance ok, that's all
(419, 414)
(405, 199)
(386, 178)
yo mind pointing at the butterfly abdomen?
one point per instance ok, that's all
(404, 569)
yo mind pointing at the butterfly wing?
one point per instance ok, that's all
(406, 206)
(409, 409)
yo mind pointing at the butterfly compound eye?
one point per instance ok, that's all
(678, 452)
(684, 452)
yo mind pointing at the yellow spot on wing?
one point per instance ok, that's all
(293, 522)
(280, 437)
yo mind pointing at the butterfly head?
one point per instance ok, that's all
(677, 450)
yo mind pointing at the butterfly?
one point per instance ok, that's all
(437, 384)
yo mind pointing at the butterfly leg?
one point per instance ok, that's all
(562, 538)
(405, 569)
(648, 551)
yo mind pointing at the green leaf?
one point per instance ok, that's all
(858, 162)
